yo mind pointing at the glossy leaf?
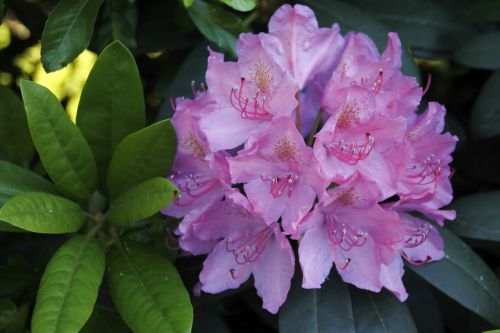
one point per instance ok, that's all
(336, 307)
(485, 116)
(15, 139)
(480, 52)
(141, 201)
(112, 104)
(42, 213)
(6, 227)
(148, 291)
(478, 216)
(216, 24)
(351, 18)
(69, 286)
(124, 21)
(241, 5)
(68, 31)
(104, 320)
(64, 152)
(463, 276)
(142, 155)
(481, 11)
(15, 180)
(8, 311)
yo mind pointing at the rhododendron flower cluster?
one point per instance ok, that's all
(314, 138)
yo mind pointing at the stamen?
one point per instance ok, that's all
(343, 235)
(193, 186)
(247, 248)
(428, 85)
(416, 263)
(172, 103)
(416, 232)
(346, 263)
(377, 85)
(426, 173)
(253, 111)
(279, 185)
(354, 152)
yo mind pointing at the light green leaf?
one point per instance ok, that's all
(352, 18)
(8, 311)
(15, 139)
(463, 276)
(478, 216)
(112, 104)
(69, 287)
(216, 24)
(142, 155)
(187, 3)
(141, 201)
(15, 180)
(148, 291)
(104, 320)
(480, 52)
(43, 213)
(337, 308)
(68, 31)
(62, 148)
(485, 116)
(241, 5)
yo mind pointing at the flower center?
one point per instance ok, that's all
(254, 110)
(347, 198)
(285, 151)
(248, 247)
(193, 144)
(192, 187)
(425, 173)
(262, 78)
(351, 153)
(347, 116)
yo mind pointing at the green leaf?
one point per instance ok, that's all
(216, 24)
(485, 116)
(337, 308)
(463, 276)
(15, 180)
(104, 320)
(6, 227)
(15, 139)
(68, 31)
(481, 11)
(148, 291)
(69, 286)
(422, 24)
(15, 276)
(62, 148)
(124, 21)
(478, 216)
(142, 155)
(43, 213)
(112, 104)
(141, 201)
(480, 52)
(8, 311)
(241, 5)
(187, 3)
(352, 18)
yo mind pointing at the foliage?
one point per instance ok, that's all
(77, 197)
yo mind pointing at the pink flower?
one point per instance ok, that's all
(281, 175)
(348, 228)
(246, 244)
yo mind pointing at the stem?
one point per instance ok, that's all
(314, 130)
(297, 113)
(94, 230)
(250, 18)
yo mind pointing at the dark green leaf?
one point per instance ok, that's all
(69, 287)
(352, 18)
(142, 155)
(15, 180)
(124, 21)
(141, 201)
(15, 276)
(15, 139)
(8, 311)
(241, 5)
(478, 216)
(485, 116)
(421, 24)
(208, 317)
(68, 31)
(482, 11)
(105, 320)
(480, 52)
(463, 276)
(216, 24)
(112, 104)
(62, 147)
(20, 322)
(43, 213)
(148, 291)
(6, 227)
(2, 10)
(339, 308)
